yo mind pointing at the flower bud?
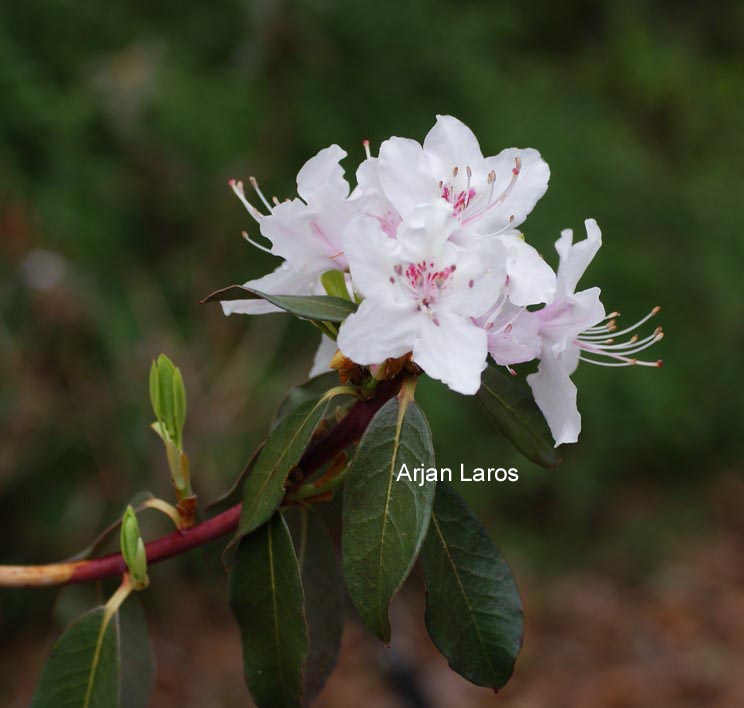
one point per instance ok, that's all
(133, 550)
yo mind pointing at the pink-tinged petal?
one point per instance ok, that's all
(514, 195)
(322, 176)
(555, 394)
(564, 320)
(450, 143)
(283, 281)
(576, 257)
(452, 350)
(531, 279)
(326, 351)
(371, 255)
(424, 234)
(478, 281)
(306, 239)
(379, 329)
(405, 175)
(369, 197)
(513, 336)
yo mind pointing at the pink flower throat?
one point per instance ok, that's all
(424, 283)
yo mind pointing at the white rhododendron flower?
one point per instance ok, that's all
(429, 245)
(421, 292)
(574, 325)
(490, 194)
(306, 233)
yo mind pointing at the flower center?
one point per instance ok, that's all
(424, 282)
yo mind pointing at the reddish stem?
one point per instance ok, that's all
(348, 431)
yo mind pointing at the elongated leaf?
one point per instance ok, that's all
(385, 520)
(137, 658)
(297, 395)
(512, 408)
(266, 599)
(264, 487)
(473, 610)
(321, 308)
(82, 670)
(324, 598)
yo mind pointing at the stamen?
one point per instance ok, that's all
(594, 341)
(651, 314)
(492, 203)
(237, 188)
(255, 243)
(365, 143)
(256, 188)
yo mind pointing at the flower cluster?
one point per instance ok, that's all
(430, 246)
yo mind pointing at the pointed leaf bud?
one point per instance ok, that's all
(133, 550)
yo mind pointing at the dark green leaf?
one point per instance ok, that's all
(322, 308)
(385, 520)
(137, 658)
(473, 610)
(324, 599)
(266, 599)
(264, 488)
(297, 395)
(82, 670)
(512, 408)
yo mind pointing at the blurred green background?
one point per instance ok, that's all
(120, 125)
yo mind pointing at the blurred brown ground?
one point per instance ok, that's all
(672, 639)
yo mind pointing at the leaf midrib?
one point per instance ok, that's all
(277, 642)
(396, 445)
(96, 657)
(451, 560)
(272, 470)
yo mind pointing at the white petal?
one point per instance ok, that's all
(516, 201)
(323, 356)
(478, 280)
(575, 258)
(308, 239)
(424, 233)
(454, 352)
(450, 143)
(322, 176)
(405, 175)
(370, 254)
(283, 281)
(555, 394)
(531, 279)
(369, 197)
(379, 329)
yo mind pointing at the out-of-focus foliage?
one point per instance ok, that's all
(121, 123)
